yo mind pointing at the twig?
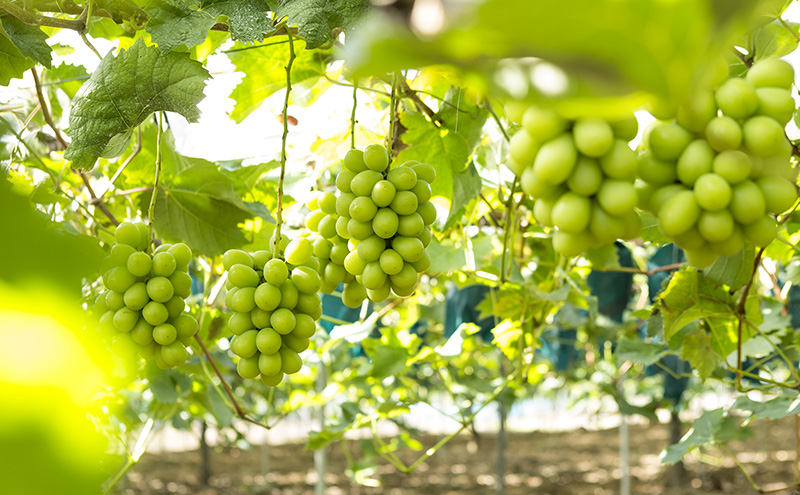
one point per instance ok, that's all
(419, 103)
(741, 467)
(279, 212)
(740, 315)
(488, 106)
(151, 209)
(45, 110)
(130, 158)
(393, 118)
(627, 269)
(98, 204)
(509, 216)
(41, 20)
(353, 116)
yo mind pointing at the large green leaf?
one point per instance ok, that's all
(124, 91)
(13, 63)
(703, 432)
(30, 40)
(316, 19)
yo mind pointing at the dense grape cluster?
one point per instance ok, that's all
(275, 307)
(384, 215)
(581, 174)
(143, 304)
(331, 249)
(720, 171)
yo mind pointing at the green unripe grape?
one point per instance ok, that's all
(362, 209)
(268, 341)
(604, 227)
(779, 193)
(376, 158)
(343, 180)
(307, 303)
(142, 333)
(679, 213)
(136, 296)
(239, 323)
(667, 141)
(245, 344)
(163, 248)
(535, 187)
(269, 364)
(145, 234)
(100, 306)
(181, 283)
(747, 202)
(322, 248)
(282, 321)
(406, 278)
(776, 103)
(139, 264)
(655, 171)
(633, 225)
(736, 98)
(733, 165)
(363, 183)
(410, 248)
(373, 277)
(159, 359)
(236, 257)
(243, 276)
(334, 274)
(164, 264)
(119, 255)
(289, 295)
(119, 279)
(175, 306)
(662, 195)
(248, 367)
(385, 223)
(313, 220)
(341, 227)
(712, 193)
(276, 272)
(425, 237)
(617, 197)
(229, 296)
(593, 137)
(523, 148)
(571, 213)
(625, 129)
(370, 249)
(165, 334)
(299, 251)
(115, 300)
(243, 300)
(715, 226)
(267, 296)
(354, 263)
(762, 231)
(125, 319)
(556, 160)
(423, 264)
(327, 203)
(359, 230)
(353, 295)
(763, 136)
(295, 343)
(338, 253)
(148, 351)
(354, 161)
(260, 317)
(383, 193)
(428, 213)
(660, 109)
(410, 225)
(771, 72)
(422, 190)
(272, 381)
(129, 234)
(543, 212)
(701, 258)
(290, 361)
(730, 246)
(123, 346)
(700, 109)
(160, 289)
(695, 161)
(185, 325)
(174, 354)
(723, 133)
(586, 178)
(404, 203)
(403, 178)
(543, 123)
(182, 254)
(424, 172)
(620, 162)
(305, 326)
(403, 291)
(327, 226)
(570, 245)
(306, 280)
(380, 294)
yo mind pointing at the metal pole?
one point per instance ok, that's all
(320, 455)
(624, 452)
(501, 440)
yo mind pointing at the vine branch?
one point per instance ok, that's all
(279, 213)
(151, 209)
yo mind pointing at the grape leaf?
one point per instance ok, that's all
(772, 409)
(466, 187)
(639, 351)
(703, 431)
(697, 349)
(30, 40)
(733, 271)
(316, 19)
(265, 73)
(776, 40)
(13, 63)
(125, 90)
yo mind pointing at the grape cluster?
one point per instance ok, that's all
(330, 248)
(581, 174)
(143, 304)
(384, 214)
(275, 306)
(720, 171)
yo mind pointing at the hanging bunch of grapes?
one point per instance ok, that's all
(581, 174)
(720, 172)
(144, 300)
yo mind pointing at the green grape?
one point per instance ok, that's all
(229, 296)
(268, 341)
(410, 225)
(338, 253)
(736, 98)
(776, 103)
(376, 158)
(403, 178)
(175, 306)
(359, 230)
(543, 123)
(712, 193)
(327, 203)
(422, 190)
(406, 278)
(604, 227)
(142, 333)
(239, 323)
(593, 137)
(100, 306)
(385, 223)
(165, 334)
(556, 160)
(633, 225)
(383, 193)
(570, 244)
(379, 294)
(700, 258)
(730, 246)
(362, 209)
(119, 279)
(667, 141)
(343, 180)
(428, 213)
(148, 351)
(306, 280)
(405, 203)
(182, 254)
(276, 272)
(322, 248)
(370, 249)
(248, 367)
(272, 381)
(762, 231)
(620, 162)
(160, 289)
(771, 72)
(334, 274)
(120, 253)
(536, 187)
(243, 300)
(733, 165)
(353, 295)
(236, 257)
(763, 136)
(282, 321)
(586, 178)
(174, 354)
(679, 213)
(363, 183)
(424, 172)
(695, 161)
(403, 291)
(245, 344)
(700, 110)
(423, 264)
(391, 262)
(723, 133)
(129, 234)
(290, 361)
(354, 161)
(655, 171)
(181, 283)
(425, 237)
(373, 277)
(343, 203)
(304, 327)
(164, 264)
(269, 364)
(125, 319)
(243, 276)
(354, 263)
(260, 317)
(115, 300)
(313, 220)
(139, 264)
(163, 248)
(523, 148)
(155, 313)
(410, 248)
(715, 226)
(747, 202)
(299, 251)
(136, 296)
(295, 343)
(617, 197)
(626, 129)
(543, 212)
(307, 303)
(571, 213)
(289, 295)
(779, 193)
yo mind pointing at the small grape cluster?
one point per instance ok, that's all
(143, 304)
(720, 171)
(330, 248)
(275, 306)
(581, 174)
(384, 214)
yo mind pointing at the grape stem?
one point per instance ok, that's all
(279, 213)
(393, 118)
(740, 315)
(353, 116)
(507, 228)
(152, 208)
